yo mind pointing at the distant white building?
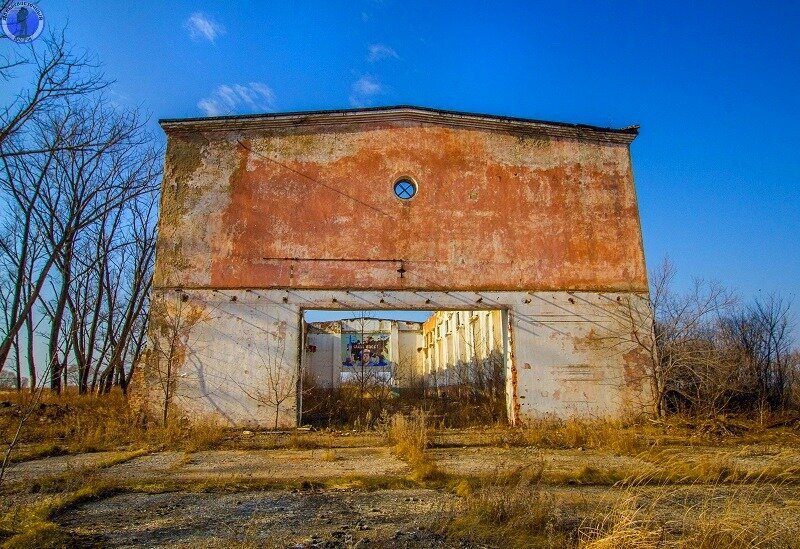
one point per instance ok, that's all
(462, 347)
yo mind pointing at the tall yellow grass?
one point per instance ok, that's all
(72, 423)
(410, 437)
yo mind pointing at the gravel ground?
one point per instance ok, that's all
(350, 518)
(261, 464)
(340, 518)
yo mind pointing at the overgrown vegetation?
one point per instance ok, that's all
(510, 509)
(72, 423)
(712, 354)
(344, 406)
(709, 462)
(470, 391)
(522, 510)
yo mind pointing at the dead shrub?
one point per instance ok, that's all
(207, 433)
(576, 433)
(299, 440)
(70, 423)
(409, 435)
(329, 455)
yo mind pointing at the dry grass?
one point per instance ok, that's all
(746, 516)
(614, 436)
(329, 455)
(510, 510)
(710, 483)
(519, 511)
(34, 526)
(71, 423)
(710, 465)
(409, 435)
(628, 438)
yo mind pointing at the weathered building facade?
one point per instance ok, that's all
(265, 216)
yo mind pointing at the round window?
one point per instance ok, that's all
(405, 189)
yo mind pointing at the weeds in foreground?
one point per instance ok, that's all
(574, 433)
(329, 455)
(519, 510)
(71, 423)
(509, 509)
(409, 435)
(697, 517)
(34, 526)
(632, 438)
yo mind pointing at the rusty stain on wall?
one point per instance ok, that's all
(552, 214)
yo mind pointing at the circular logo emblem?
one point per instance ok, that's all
(22, 21)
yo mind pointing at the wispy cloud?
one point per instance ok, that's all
(203, 27)
(237, 98)
(378, 52)
(363, 90)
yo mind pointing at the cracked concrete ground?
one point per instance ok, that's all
(378, 461)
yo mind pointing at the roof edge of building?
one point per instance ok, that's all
(402, 114)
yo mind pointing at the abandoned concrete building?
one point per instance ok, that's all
(264, 217)
(460, 345)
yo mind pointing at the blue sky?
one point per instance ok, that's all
(714, 86)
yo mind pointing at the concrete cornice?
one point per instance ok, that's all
(403, 114)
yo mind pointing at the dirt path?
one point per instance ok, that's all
(263, 464)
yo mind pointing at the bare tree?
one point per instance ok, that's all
(708, 354)
(91, 186)
(76, 177)
(759, 337)
(678, 349)
(278, 382)
(373, 383)
(59, 74)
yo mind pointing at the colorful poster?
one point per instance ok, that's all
(371, 348)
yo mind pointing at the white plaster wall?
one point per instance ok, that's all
(568, 353)
(409, 359)
(230, 355)
(325, 363)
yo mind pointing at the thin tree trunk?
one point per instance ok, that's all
(31, 356)
(55, 327)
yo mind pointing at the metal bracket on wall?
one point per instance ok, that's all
(402, 270)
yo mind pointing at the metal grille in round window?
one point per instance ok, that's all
(405, 189)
